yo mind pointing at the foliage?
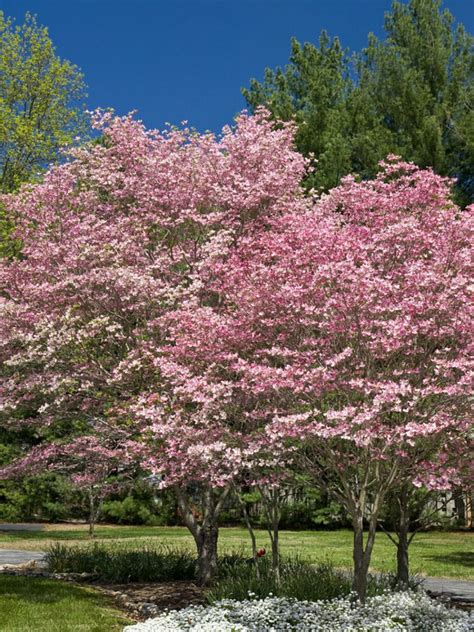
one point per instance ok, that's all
(311, 508)
(397, 611)
(119, 564)
(299, 579)
(341, 338)
(130, 510)
(45, 497)
(96, 466)
(410, 94)
(136, 217)
(40, 111)
(421, 510)
(313, 89)
(142, 504)
(180, 291)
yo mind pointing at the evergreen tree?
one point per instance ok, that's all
(411, 94)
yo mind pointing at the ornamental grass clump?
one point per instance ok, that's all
(299, 579)
(119, 564)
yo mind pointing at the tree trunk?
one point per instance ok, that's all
(205, 534)
(276, 553)
(403, 541)
(92, 515)
(361, 567)
(271, 501)
(362, 555)
(206, 543)
(248, 524)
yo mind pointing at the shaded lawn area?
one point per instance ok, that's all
(44, 605)
(438, 554)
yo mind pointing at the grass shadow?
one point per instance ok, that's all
(460, 558)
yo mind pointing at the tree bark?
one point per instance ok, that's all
(205, 534)
(206, 544)
(271, 501)
(276, 553)
(248, 524)
(92, 515)
(361, 558)
(403, 538)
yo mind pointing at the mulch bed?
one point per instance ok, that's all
(143, 601)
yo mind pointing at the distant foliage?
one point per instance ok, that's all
(41, 95)
(411, 94)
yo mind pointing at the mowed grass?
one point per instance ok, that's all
(41, 605)
(437, 554)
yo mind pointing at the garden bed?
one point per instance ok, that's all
(407, 612)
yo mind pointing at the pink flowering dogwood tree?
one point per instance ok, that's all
(95, 466)
(113, 241)
(345, 330)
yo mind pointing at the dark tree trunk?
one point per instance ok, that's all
(206, 544)
(205, 534)
(403, 541)
(276, 553)
(362, 553)
(361, 567)
(271, 501)
(92, 515)
(460, 507)
(250, 530)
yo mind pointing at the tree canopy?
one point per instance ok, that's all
(182, 290)
(41, 109)
(40, 101)
(410, 94)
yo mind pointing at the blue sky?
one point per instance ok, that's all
(187, 59)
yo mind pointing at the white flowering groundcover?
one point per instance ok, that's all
(408, 611)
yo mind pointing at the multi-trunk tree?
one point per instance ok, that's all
(181, 289)
(345, 331)
(114, 241)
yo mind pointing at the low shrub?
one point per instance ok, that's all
(299, 579)
(121, 564)
(391, 611)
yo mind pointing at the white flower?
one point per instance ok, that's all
(404, 611)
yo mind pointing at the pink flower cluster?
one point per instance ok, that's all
(181, 288)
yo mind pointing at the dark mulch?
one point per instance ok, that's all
(143, 600)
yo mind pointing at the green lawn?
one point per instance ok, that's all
(42, 605)
(440, 554)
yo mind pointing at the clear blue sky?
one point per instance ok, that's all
(187, 59)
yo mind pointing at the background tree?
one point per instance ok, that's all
(41, 109)
(411, 94)
(420, 83)
(95, 465)
(40, 101)
(313, 90)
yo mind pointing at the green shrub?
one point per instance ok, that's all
(127, 511)
(299, 579)
(120, 564)
(142, 505)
